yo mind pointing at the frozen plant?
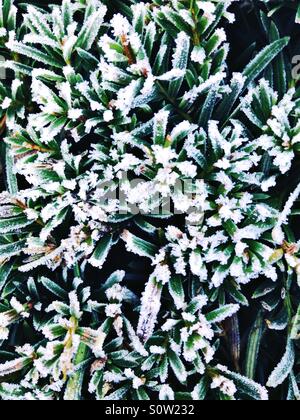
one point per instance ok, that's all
(149, 246)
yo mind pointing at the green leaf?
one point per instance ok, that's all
(32, 288)
(176, 291)
(280, 79)
(138, 20)
(236, 294)
(222, 313)
(253, 347)
(144, 225)
(14, 224)
(54, 288)
(279, 321)
(264, 289)
(101, 251)
(9, 250)
(180, 60)
(208, 107)
(115, 278)
(18, 67)
(247, 386)
(298, 15)
(294, 392)
(90, 29)
(89, 58)
(201, 389)
(264, 58)
(14, 366)
(11, 178)
(119, 394)
(73, 390)
(295, 330)
(141, 395)
(36, 54)
(177, 366)
(227, 104)
(284, 368)
(11, 392)
(67, 13)
(149, 39)
(139, 246)
(163, 369)
(5, 271)
(160, 127)
(54, 223)
(123, 359)
(40, 24)
(96, 384)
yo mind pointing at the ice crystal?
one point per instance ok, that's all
(126, 135)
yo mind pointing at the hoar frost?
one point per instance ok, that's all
(118, 143)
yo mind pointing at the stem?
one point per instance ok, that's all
(128, 50)
(3, 124)
(38, 148)
(196, 37)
